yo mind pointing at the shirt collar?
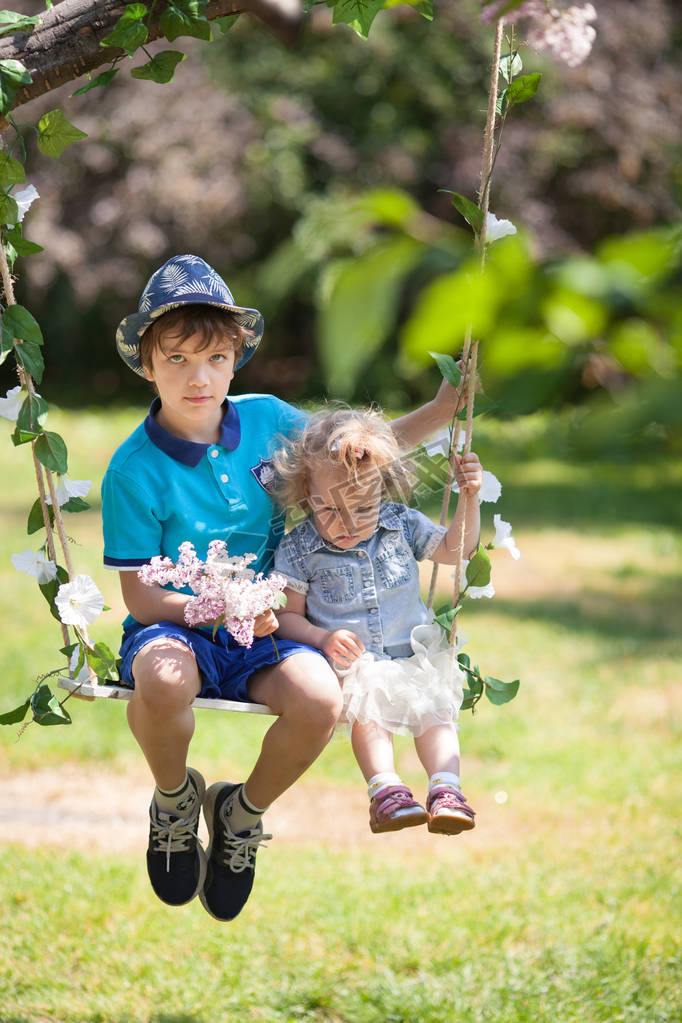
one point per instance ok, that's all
(187, 451)
(310, 540)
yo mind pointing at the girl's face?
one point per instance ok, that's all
(344, 511)
(192, 383)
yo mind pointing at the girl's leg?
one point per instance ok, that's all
(438, 750)
(392, 805)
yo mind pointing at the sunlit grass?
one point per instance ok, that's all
(563, 905)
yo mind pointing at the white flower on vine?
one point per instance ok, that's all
(11, 403)
(503, 537)
(496, 229)
(79, 602)
(65, 489)
(474, 591)
(23, 199)
(84, 674)
(36, 564)
(490, 491)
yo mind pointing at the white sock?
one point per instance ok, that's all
(179, 802)
(382, 781)
(445, 778)
(240, 813)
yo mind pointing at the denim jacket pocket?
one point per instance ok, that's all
(337, 584)
(393, 562)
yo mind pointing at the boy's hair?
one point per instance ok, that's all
(352, 441)
(208, 322)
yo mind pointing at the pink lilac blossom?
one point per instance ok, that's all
(564, 33)
(226, 591)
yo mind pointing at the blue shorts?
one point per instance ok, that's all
(225, 666)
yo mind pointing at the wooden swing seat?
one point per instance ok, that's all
(90, 690)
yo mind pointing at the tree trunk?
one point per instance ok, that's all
(66, 44)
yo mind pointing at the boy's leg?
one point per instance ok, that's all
(305, 694)
(161, 719)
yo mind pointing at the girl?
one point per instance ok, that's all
(354, 594)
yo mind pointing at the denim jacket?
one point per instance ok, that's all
(373, 588)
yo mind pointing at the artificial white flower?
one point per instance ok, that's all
(474, 591)
(496, 229)
(439, 443)
(503, 537)
(66, 489)
(23, 199)
(36, 564)
(84, 674)
(11, 403)
(79, 602)
(491, 488)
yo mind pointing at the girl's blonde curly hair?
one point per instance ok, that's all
(352, 441)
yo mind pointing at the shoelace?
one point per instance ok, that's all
(172, 834)
(239, 851)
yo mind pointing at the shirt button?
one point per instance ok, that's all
(214, 453)
(224, 478)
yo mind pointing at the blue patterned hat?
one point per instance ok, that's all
(183, 280)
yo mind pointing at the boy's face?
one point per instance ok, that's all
(344, 511)
(192, 383)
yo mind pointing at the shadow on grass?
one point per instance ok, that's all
(641, 621)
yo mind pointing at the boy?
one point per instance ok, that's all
(197, 469)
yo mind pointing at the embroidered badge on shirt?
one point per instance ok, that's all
(264, 473)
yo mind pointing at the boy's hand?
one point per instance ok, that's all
(342, 646)
(264, 624)
(468, 473)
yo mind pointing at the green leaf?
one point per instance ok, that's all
(448, 367)
(75, 504)
(445, 616)
(51, 451)
(510, 66)
(22, 246)
(463, 661)
(9, 211)
(358, 14)
(129, 32)
(469, 210)
(13, 75)
(523, 88)
(500, 692)
(226, 23)
(501, 102)
(160, 68)
(11, 21)
(46, 708)
(185, 18)
(35, 517)
(32, 414)
(50, 590)
(479, 568)
(13, 717)
(20, 323)
(11, 171)
(103, 661)
(97, 83)
(55, 133)
(31, 359)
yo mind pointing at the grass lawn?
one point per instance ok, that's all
(565, 902)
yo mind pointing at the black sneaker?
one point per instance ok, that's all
(176, 861)
(231, 857)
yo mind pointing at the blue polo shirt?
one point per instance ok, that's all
(160, 490)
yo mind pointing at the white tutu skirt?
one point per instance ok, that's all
(407, 695)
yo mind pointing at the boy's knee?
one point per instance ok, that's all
(166, 674)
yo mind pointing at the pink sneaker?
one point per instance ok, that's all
(394, 808)
(449, 812)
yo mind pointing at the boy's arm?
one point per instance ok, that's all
(469, 475)
(340, 645)
(151, 604)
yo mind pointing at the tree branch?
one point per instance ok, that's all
(66, 44)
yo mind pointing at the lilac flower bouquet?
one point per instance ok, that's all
(226, 591)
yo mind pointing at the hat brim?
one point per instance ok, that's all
(131, 328)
